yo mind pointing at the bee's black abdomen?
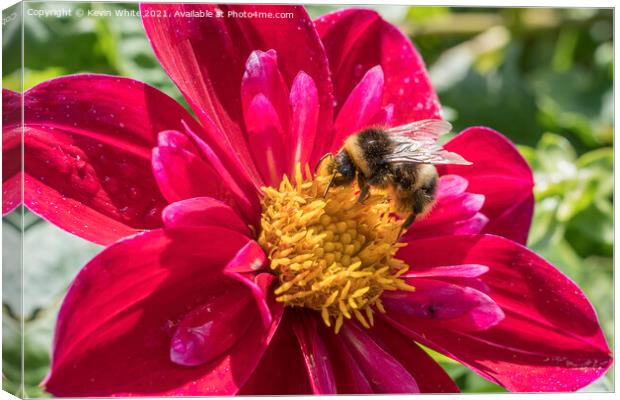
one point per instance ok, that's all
(404, 176)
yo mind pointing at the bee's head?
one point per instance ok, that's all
(340, 167)
(345, 166)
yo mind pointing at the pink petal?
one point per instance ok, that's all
(450, 306)
(360, 107)
(262, 76)
(245, 268)
(234, 175)
(538, 301)
(11, 150)
(458, 271)
(456, 212)
(304, 101)
(429, 375)
(383, 371)
(115, 326)
(356, 40)
(457, 207)
(467, 226)
(501, 174)
(205, 57)
(316, 356)
(266, 139)
(182, 172)
(88, 140)
(203, 211)
(450, 186)
(248, 261)
(282, 369)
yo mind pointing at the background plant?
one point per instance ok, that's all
(543, 77)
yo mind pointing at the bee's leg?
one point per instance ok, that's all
(363, 185)
(408, 222)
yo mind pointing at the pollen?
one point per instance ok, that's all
(331, 254)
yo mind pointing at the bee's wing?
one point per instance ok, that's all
(416, 143)
(427, 129)
(408, 150)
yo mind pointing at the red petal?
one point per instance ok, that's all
(88, 140)
(383, 371)
(205, 57)
(350, 379)
(210, 330)
(538, 301)
(11, 150)
(266, 139)
(305, 113)
(115, 325)
(11, 108)
(203, 211)
(262, 76)
(429, 375)
(282, 370)
(360, 106)
(384, 117)
(356, 40)
(449, 306)
(315, 354)
(501, 174)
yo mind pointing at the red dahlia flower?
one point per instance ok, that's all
(249, 281)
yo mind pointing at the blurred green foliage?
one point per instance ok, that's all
(543, 77)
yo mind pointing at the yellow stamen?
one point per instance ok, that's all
(333, 254)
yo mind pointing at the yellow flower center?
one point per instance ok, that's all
(331, 254)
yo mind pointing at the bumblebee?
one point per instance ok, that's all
(400, 160)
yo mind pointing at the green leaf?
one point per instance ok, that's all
(11, 267)
(562, 255)
(440, 358)
(591, 231)
(38, 336)
(504, 90)
(546, 230)
(11, 355)
(52, 257)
